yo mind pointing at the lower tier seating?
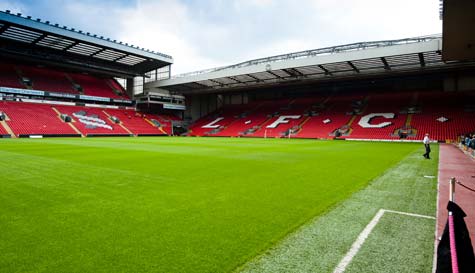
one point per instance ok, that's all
(34, 119)
(135, 122)
(42, 119)
(92, 121)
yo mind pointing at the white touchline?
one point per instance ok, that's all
(355, 247)
(409, 214)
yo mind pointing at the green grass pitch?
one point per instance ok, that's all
(170, 204)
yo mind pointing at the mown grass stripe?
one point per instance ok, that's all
(171, 204)
(319, 245)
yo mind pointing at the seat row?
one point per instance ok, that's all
(24, 118)
(362, 116)
(45, 79)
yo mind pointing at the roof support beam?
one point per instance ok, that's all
(288, 72)
(195, 85)
(232, 78)
(421, 60)
(220, 83)
(327, 72)
(70, 46)
(97, 52)
(385, 62)
(3, 28)
(293, 72)
(39, 38)
(275, 75)
(250, 76)
(353, 66)
(297, 72)
(118, 58)
(200, 84)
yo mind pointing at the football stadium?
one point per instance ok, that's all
(309, 161)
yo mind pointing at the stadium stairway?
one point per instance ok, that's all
(69, 123)
(121, 124)
(160, 128)
(5, 129)
(101, 124)
(134, 122)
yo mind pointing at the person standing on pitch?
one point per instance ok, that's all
(426, 142)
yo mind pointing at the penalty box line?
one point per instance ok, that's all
(355, 247)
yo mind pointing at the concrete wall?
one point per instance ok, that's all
(198, 106)
(462, 81)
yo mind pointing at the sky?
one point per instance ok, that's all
(201, 34)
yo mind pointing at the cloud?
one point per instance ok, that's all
(204, 34)
(13, 6)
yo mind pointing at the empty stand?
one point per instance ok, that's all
(378, 103)
(135, 122)
(331, 114)
(221, 118)
(91, 121)
(441, 114)
(94, 86)
(115, 85)
(9, 77)
(47, 79)
(34, 119)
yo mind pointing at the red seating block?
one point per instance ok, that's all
(34, 119)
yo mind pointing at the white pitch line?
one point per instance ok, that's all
(358, 243)
(355, 247)
(410, 214)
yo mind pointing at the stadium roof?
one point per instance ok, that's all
(352, 60)
(41, 41)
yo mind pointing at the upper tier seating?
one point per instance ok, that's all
(115, 85)
(94, 86)
(34, 119)
(47, 80)
(9, 77)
